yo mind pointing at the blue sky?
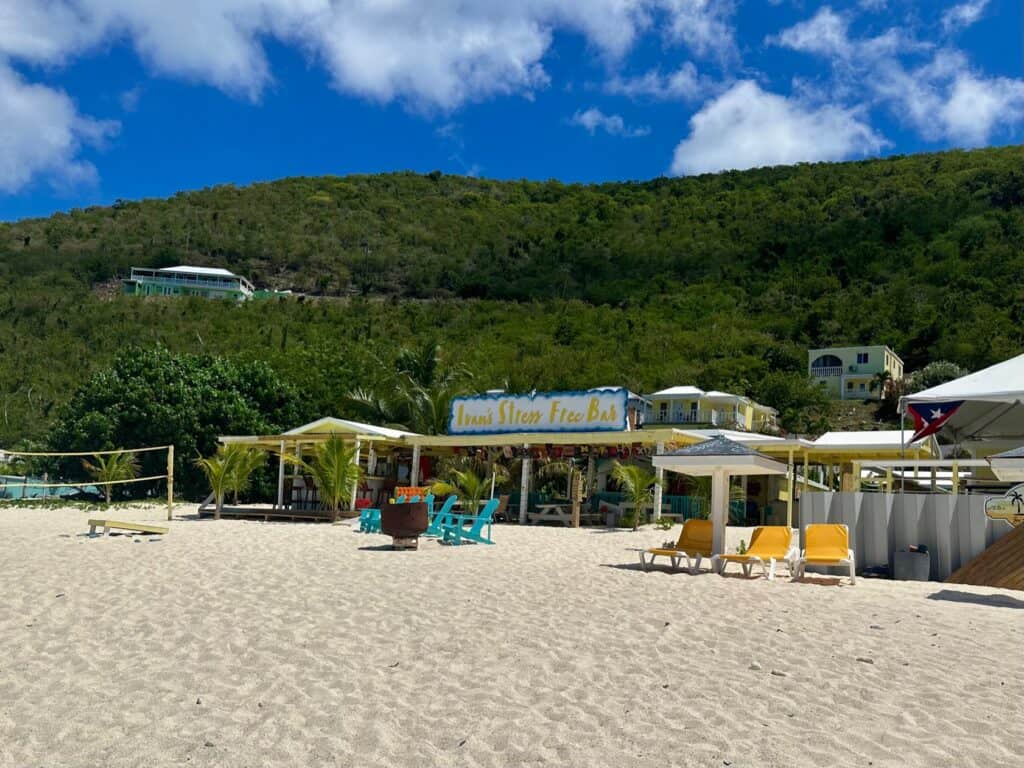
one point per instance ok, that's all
(108, 99)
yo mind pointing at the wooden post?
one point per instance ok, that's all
(956, 478)
(591, 470)
(576, 487)
(888, 479)
(355, 488)
(791, 475)
(807, 470)
(170, 481)
(524, 488)
(659, 490)
(280, 479)
(414, 470)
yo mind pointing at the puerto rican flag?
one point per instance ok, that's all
(929, 418)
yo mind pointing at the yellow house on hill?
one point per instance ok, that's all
(692, 406)
(847, 373)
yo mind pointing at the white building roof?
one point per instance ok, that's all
(209, 271)
(679, 392)
(882, 439)
(716, 395)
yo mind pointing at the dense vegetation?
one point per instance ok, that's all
(722, 281)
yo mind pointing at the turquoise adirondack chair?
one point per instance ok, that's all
(456, 532)
(442, 517)
(369, 521)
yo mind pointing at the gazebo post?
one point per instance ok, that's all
(659, 474)
(524, 487)
(719, 510)
(280, 478)
(791, 489)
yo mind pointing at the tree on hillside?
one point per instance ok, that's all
(933, 374)
(152, 397)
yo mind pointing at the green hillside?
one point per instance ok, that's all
(722, 281)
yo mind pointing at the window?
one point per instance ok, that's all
(862, 386)
(849, 386)
(862, 357)
(826, 364)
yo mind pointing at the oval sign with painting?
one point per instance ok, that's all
(1009, 507)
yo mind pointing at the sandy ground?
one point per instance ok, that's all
(249, 644)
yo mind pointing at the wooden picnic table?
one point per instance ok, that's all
(551, 513)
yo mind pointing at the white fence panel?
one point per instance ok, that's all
(954, 528)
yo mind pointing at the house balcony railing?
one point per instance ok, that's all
(823, 371)
(715, 418)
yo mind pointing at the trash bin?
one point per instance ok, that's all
(911, 566)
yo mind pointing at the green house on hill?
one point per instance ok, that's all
(208, 282)
(847, 373)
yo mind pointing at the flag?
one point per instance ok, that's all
(929, 418)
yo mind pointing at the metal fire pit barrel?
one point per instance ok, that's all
(404, 523)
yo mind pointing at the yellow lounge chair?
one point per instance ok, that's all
(827, 544)
(769, 545)
(694, 541)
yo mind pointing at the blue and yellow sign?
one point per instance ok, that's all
(593, 410)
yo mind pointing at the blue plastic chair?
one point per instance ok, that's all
(442, 517)
(456, 533)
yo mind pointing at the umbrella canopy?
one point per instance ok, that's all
(993, 402)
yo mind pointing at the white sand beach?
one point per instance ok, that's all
(234, 643)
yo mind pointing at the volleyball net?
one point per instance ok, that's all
(45, 475)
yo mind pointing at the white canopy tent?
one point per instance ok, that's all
(993, 408)
(719, 458)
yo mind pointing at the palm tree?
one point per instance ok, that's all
(335, 471)
(470, 486)
(111, 468)
(243, 460)
(1018, 500)
(881, 382)
(218, 469)
(638, 484)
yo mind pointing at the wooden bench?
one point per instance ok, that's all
(106, 525)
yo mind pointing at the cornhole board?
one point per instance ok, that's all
(106, 525)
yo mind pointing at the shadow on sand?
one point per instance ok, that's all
(995, 601)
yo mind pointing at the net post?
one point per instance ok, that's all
(170, 481)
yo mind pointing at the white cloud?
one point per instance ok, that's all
(41, 134)
(432, 55)
(684, 84)
(747, 127)
(964, 15)
(944, 100)
(825, 33)
(940, 96)
(594, 120)
(702, 25)
(129, 100)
